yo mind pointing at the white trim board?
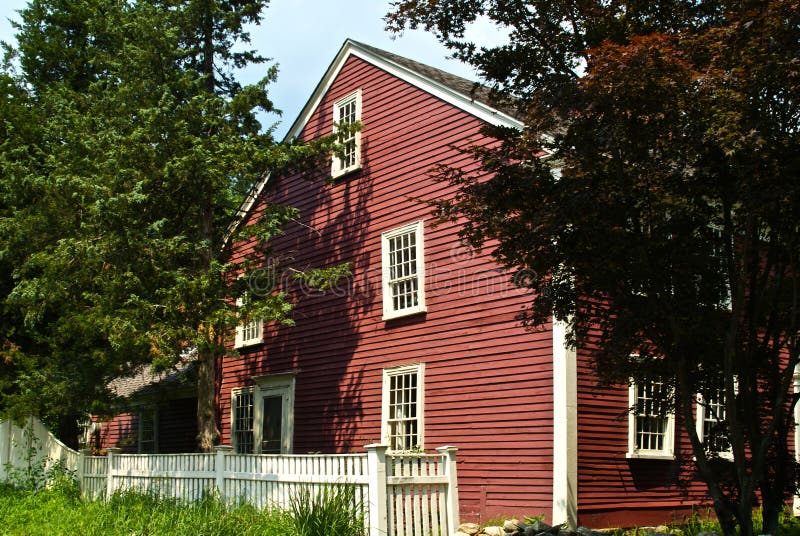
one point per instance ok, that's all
(565, 429)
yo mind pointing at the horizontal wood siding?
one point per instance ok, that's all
(488, 383)
(177, 429)
(614, 490)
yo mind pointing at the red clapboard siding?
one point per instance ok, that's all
(488, 383)
(177, 428)
(612, 489)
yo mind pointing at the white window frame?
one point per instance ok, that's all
(389, 311)
(275, 385)
(668, 450)
(700, 422)
(250, 332)
(338, 168)
(236, 393)
(151, 412)
(388, 374)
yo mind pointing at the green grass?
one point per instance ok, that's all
(59, 511)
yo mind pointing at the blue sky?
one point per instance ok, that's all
(303, 36)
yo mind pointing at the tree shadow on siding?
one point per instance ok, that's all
(332, 229)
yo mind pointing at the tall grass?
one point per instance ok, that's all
(60, 511)
(326, 510)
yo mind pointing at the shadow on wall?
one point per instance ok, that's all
(332, 229)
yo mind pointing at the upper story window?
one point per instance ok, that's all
(403, 271)
(403, 407)
(249, 332)
(346, 112)
(651, 425)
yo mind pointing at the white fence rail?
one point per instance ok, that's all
(401, 494)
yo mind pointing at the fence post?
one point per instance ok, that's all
(112, 453)
(5, 446)
(82, 453)
(376, 469)
(453, 515)
(221, 451)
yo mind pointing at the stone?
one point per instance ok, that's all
(540, 526)
(459, 533)
(470, 529)
(511, 525)
(494, 530)
(584, 531)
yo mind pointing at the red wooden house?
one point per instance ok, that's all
(420, 347)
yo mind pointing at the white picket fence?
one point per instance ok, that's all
(401, 494)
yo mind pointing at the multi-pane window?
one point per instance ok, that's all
(403, 407)
(711, 422)
(242, 421)
(403, 271)
(346, 112)
(148, 431)
(249, 332)
(651, 421)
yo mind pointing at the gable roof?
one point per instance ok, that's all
(455, 90)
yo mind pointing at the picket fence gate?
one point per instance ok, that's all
(405, 494)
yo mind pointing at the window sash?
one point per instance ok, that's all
(346, 112)
(403, 271)
(651, 426)
(148, 431)
(403, 408)
(242, 421)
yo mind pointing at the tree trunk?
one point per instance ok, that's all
(207, 431)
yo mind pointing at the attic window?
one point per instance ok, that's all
(347, 112)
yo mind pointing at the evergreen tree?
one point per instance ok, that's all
(117, 204)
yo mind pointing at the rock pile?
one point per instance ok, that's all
(515, 527)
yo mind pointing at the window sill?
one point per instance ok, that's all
(649, 456)
(405, 312)
(245, 344)
(341, 173)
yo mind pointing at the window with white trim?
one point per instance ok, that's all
(403, 271)
(651, 425)
(249, 332)
(262, 417)
(148, 431)
(242, 405)
(711, 423)
(403, 407)
(346, 112)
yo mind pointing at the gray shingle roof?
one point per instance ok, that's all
(148, 383)
(474, 90)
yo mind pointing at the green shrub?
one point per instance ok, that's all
(325, 510)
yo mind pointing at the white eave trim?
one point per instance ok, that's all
(457, 99)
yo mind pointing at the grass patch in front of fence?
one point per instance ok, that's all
(325, 510)
(60, 511)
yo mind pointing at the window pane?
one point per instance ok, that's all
(243, 422)
(272, 426)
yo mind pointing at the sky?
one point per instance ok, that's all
(303, 36)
